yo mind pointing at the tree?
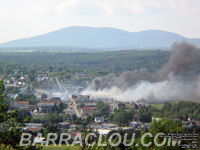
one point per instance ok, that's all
(61, 107)
(165, 126)
(10, 123)
(53, 118)
(104, 109)
(121, 117)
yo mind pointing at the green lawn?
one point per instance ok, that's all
(51, 147)
(61, 148)
(38, 117)
(158, 106)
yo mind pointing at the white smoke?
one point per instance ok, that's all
(168, 90)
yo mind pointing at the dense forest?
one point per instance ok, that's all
(92, 63)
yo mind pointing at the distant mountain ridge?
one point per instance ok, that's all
(101, 38)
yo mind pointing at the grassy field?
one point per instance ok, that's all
(61, 148)
(51, 147)
(158, 106)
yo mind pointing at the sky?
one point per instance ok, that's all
(27, 18)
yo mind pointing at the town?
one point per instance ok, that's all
(68, 111)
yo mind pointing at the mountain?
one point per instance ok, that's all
(101, 38)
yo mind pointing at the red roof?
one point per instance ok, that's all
(89, 107)
(34, 129)
(23, 102)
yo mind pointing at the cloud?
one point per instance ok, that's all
(108, 7)
(66, 5)
(39, 9)
(136, 8)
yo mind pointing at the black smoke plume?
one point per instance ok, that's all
(178, 79)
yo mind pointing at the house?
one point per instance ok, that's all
(64, 125)
(99, 119)
(34, 130)
(134, 105)
(53, 101)
(116, 105)
(47, 106)
(33, 127)
(156, 119)
(109, 125)
(113, 106)
(104, 131)
(86, 111)
(135, 124)
(126, 128)
(91, 106)
(33, 124)
(20, 105)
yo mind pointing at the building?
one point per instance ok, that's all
(134, 105)
(91, 106)
(135, 124)
(104, 131)
(86, 111)
(99, 119)
(64, 125)
(20, 105)
(109, 125)
(48, 106)
(156, 119)
(33, 127)
(116, 105)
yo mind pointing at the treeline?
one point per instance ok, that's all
(99, 63)
(181, 110)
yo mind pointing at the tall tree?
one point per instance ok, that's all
(10, 124)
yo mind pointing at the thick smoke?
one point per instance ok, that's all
(178, 79)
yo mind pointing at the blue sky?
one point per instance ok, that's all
(26, 18)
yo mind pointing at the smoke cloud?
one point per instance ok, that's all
(178, 79)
